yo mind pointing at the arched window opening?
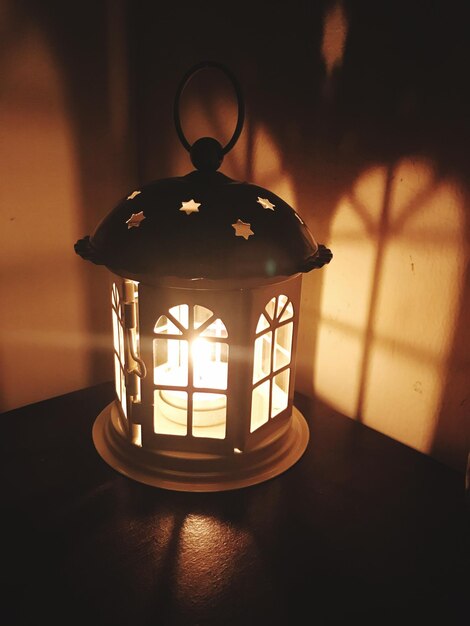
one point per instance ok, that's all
(190, 372)
(271, 361)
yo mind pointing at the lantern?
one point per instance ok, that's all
(205, 299)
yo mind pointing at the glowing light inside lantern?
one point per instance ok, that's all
(210, 366)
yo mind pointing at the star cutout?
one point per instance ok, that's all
(265, 203)
(190, 207)
(135, 220)
(242, 229)
(133, 195)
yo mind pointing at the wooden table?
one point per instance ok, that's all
(361, 530)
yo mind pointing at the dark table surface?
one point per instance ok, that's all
(361, 530)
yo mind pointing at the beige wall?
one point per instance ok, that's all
(43, 317)
(61, 144)
(362, 135)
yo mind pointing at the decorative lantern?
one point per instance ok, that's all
(205, 302)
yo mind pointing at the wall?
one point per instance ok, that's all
(63, 155)
(357, 114)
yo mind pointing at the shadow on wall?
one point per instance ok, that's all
(65, 156)
(389, 306)
(43, 333)
(356, 116)
(391, 343)
(411, 206)
(88, 41)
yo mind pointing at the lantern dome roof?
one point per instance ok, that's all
(203, 226)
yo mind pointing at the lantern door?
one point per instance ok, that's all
(190, 398)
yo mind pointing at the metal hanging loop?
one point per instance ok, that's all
(241, 105)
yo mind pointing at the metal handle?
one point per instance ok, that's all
(241, 105)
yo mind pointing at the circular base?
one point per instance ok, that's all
(191, 471)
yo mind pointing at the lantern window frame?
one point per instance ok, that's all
(274, 318)
(188, 331)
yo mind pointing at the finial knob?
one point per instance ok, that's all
(206, 154)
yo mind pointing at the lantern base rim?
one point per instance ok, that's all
(196, 472)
